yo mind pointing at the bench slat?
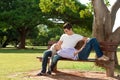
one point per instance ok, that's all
(105, 43)
(65, 59)
(108, 49)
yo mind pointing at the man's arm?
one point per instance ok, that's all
(58, 45)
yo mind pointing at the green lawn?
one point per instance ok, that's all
(15, 60)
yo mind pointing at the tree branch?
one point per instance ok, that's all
(102, 16)
(115, 36)
(99, 8)
(114, 10)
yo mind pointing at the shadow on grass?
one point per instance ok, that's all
(71, 76)
(76, 75)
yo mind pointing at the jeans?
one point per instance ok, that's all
(54, 61)
(91, 44)
(47, 54)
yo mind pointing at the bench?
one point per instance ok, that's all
(106, 47)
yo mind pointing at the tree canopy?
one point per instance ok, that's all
(68, 11)
(23, 16)
(20, 15)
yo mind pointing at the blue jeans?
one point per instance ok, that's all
(91, 44)
(54, 62)
(46, 54)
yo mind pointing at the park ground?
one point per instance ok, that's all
(18, 64)
(65, 75)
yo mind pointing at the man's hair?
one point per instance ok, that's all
(67, 26)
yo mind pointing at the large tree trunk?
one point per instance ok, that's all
(103, 25)
(23, 32)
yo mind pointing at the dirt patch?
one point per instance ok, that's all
(66, 75)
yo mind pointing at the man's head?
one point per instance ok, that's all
(68, 28)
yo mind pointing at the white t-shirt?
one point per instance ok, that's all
(69, 41)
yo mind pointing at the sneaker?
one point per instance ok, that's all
(103, 58)
(40, 74)
(49, 72)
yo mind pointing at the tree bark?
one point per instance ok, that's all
(22, 32)
(103, 25)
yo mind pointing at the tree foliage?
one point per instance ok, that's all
(21, 15)
(57, 5)
(68, 11)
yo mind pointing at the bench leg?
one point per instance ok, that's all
(55, 68)
(110, 69)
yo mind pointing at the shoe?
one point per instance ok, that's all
(41, 74)
(49, 72)
(103, 58)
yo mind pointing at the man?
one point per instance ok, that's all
(69, 40)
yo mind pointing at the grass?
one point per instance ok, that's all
(15, 60)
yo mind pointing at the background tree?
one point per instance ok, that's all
(22, 16)
(46, 34)
(1, 37)
(10, 35)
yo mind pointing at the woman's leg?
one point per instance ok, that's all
(54, 62)
(47, 54)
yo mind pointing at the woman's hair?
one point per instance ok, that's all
(67, 26)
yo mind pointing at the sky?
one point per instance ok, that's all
(117, 23)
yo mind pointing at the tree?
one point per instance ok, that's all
(46, 34)
(103, 25)
(68, 11)
(1, 37)
(11, 35)
(22, 15)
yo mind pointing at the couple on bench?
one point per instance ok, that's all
(71, 46)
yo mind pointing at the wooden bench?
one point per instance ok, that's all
(107, 47)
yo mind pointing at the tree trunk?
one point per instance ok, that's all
(102, 28)
(5, 43)
(22, 41)
(22, 32)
